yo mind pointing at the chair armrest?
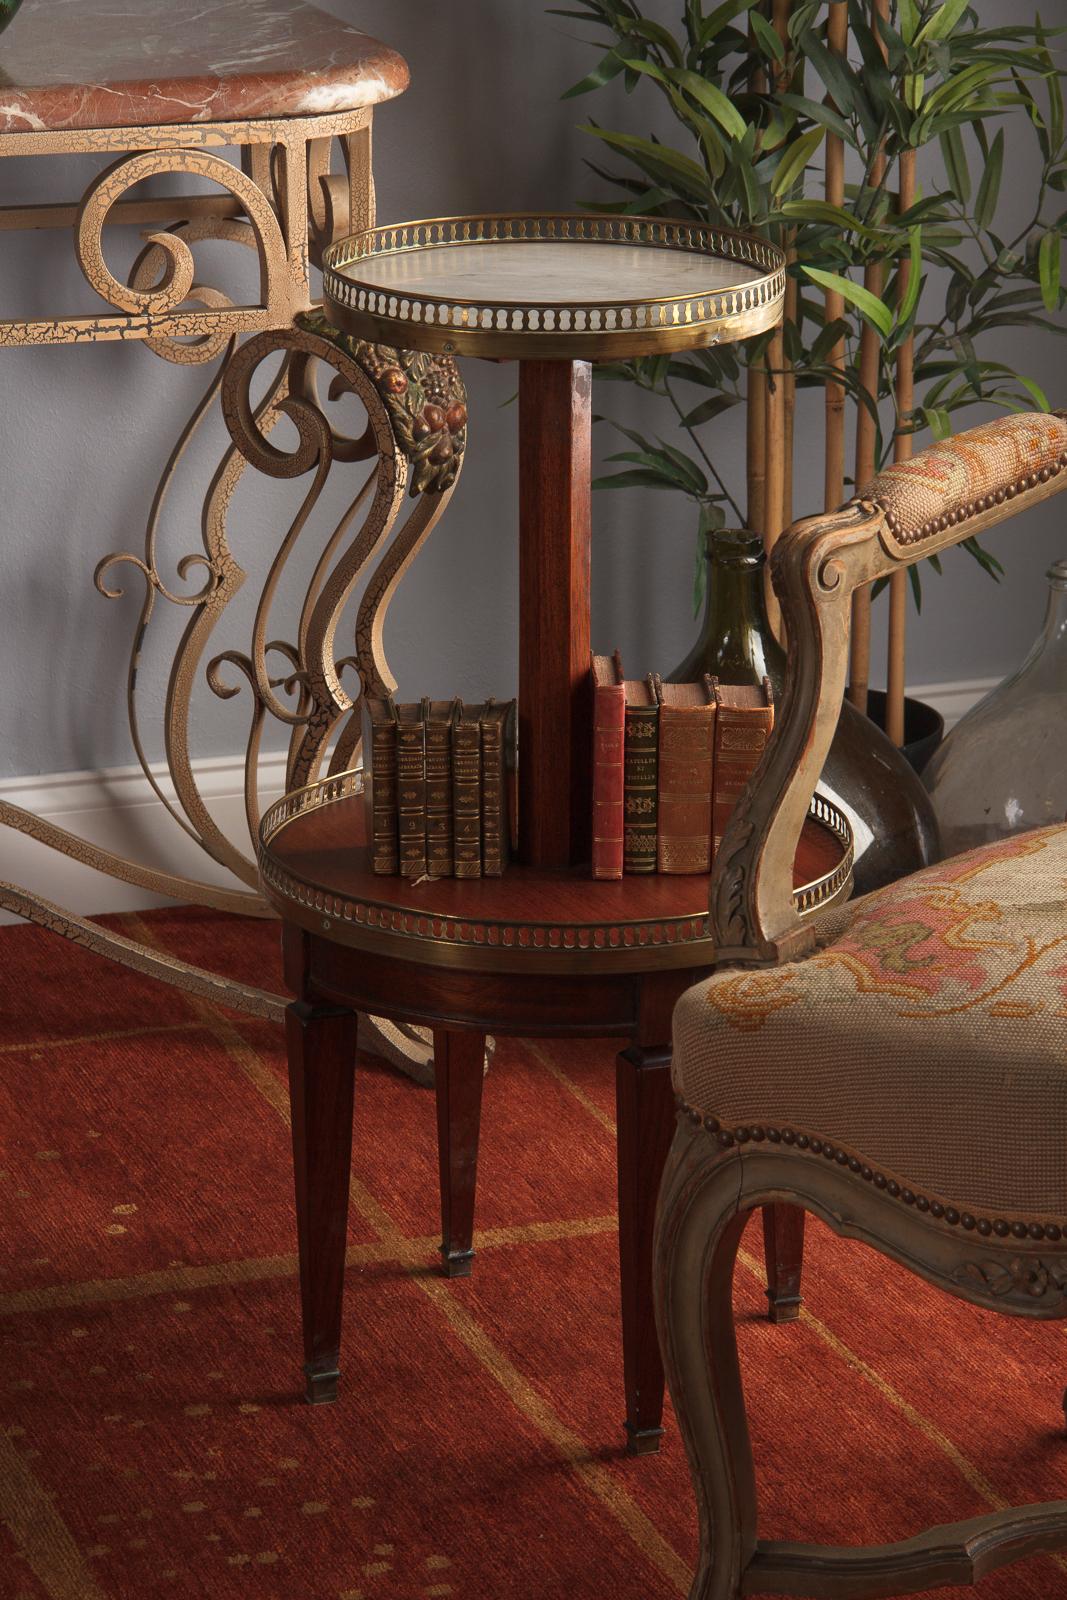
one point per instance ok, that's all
(948, 492)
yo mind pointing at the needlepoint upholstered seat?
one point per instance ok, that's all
(899, 1069)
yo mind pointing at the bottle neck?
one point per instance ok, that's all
(737, 636)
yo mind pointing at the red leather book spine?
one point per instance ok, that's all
(609, 735)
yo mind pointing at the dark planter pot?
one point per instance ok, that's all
(896, 830)
(924, 728)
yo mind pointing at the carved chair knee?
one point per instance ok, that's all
(896, 1069)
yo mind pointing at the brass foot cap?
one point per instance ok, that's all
(321, 1386)
(457, 1263)
(785, 1309)
(642, 1441)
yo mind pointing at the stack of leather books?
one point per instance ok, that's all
(438, 793)
(670, 761)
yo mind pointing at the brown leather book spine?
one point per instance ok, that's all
(686, 746)
(439, 856)
(641, 788)
(494, 792)
(411, 792)
(382, 724)
(609, 724)
(467, 795)
(742, 727)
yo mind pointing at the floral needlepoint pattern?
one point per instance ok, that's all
(941, 995)
(747, 999)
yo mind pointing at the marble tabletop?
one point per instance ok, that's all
(70, 64)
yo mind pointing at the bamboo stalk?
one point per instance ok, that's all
(778, 438)
(756, 394)
(834, 478)
(874, 281)
(902, 445)
(774, 440)
(789, 399)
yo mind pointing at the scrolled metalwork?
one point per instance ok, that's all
(171, 251)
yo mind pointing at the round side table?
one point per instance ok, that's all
(545, 950)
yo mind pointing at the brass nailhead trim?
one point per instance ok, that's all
(844, 1158)
(949, 519)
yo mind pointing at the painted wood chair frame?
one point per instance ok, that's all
(717, 1175)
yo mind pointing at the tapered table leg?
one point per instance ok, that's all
(646, 1118)
(783, 1241)
(459, 1073)
(321, 1045)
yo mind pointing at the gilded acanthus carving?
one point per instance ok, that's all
(424, 396)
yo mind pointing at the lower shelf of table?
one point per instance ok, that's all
(316, 870)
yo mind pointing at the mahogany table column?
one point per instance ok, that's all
(555, 706)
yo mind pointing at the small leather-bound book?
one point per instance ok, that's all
(380, 723)
(439, 856)
(467, 790)
(609, 725)
(686, 752)
(743, 725)
(494, 724)
(411, 789)
(640, 776)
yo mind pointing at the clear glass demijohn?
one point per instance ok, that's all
(1003, 768)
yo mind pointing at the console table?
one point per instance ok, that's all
(164, 88)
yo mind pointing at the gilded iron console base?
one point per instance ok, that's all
(284, 203)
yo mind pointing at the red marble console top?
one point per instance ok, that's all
(68, 64)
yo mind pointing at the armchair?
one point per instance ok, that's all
(897, 1068)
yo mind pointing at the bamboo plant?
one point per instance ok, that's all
(810, 121)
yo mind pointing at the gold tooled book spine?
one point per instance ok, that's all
(467, 795)
(686, 744)
(641, 789)
(494, 797)
(439, 858)
(385, 854)
(411, 793)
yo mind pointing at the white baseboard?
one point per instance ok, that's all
(118, 810)
(954, 700)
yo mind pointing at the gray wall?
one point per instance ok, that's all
(85, 432)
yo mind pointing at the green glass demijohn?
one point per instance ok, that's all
(890, 811)
(7, 11)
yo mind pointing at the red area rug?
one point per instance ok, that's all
(151, 1440)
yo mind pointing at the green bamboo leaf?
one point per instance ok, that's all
(654, 158)
(712, 407)
(609, 67)
(712, 99)
(1048, 262)
(836, 74)
(656, 33)
(943, 21)
(721, 18)
(985, 204)
(914, 288)
(767, 37)
(959, 176)
(867, 304)
(795, 160)
(823, 114)
(636, 479)
(1034, 390)
(909, 20)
